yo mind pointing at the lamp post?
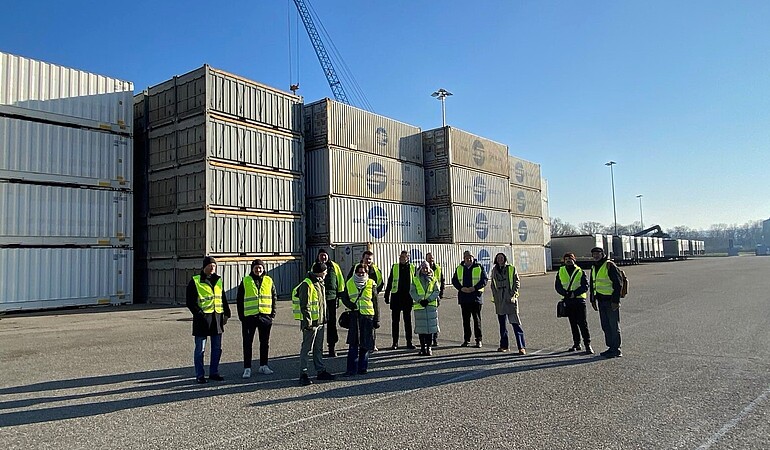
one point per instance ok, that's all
(614, 210)
(441, 94)
(641, 215)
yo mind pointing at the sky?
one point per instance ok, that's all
(676, 92)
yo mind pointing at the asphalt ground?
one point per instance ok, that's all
(695, 374)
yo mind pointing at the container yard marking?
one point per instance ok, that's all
(735, 420)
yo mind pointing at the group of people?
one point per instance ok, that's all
(409, 291)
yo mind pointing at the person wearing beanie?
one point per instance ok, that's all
(207, 302)
(572, 284)
(334, 284)
(309, 308)
(256, 310)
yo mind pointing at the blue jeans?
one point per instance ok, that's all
(358, 359)
(503, 320)
(216, 353)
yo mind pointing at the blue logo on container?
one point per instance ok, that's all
(479, 155)
(524, 261)
(519, 169)
(479, 189)
(376, 178)
(485, 259)
(381, 136)
(416, 257)
(377, 221)
(521, 201)
(482, 226)
(523, 232)
(347, 250)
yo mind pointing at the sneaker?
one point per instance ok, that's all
(575, 347)
(478, 344)
(265, 370)
(409, 346)
(362, 372)
(216, 377)
(201, 380)
(247, 373)
(348, 374)
(434, 343)
(332, 353)
(605, 353)
(375, 349)
(589, 350)
(394, 346)
(465, 344)
(428, 352)
(613, 354)
(324, 376)
(502, 349)
(304, 380)
(522, 351)
(422, 352)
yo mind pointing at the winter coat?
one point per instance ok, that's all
(467, 281)
(206, 324)
(425, 319)
(504, 295)
(318, 285)
(361, 331)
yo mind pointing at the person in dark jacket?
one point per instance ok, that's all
(605, 291)
(438, 273)
(334, 283)
(360, 298)
(469, 279)
(572, 284)
(375, 274)
(256, 309)
(309, 308)
(397, 296)
(207, 302)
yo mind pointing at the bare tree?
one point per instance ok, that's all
(592, 227)
(562, 228)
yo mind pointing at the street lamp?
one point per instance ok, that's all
(441, 94)
(641, 216)
(614, 210)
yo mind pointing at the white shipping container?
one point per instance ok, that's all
(450, 146)
(524, 173)
(68, 93)
(331, 123)
(547, 237)
(33, 214)
(167, 279)
(211, 90)
(72, 277)
(467, 187)
(545, 209)
(464, 224)
(342, 220)
(345, 173)
(527, 230)
(526, 202)
(529, 260)
(34, 151)
(213, 184)
(211, 136)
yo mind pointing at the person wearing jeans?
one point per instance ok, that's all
(360, 298)
(505, 294)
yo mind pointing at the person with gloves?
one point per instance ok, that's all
(424, 292)
(256, 310)
(505, 295)
(308, 305)
(334, 283)
(360, 298)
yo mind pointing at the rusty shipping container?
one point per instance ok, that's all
(447, 146)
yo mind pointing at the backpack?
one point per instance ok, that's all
(623, 281)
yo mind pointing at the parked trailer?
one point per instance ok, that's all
(622, 250)
(580, 245)
(672, 249)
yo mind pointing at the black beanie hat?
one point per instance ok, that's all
(257, 262)
(208, 260)
(319, 267)
(323, 250)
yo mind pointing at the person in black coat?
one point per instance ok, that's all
(469, 279)
(397, 296)
(207, 302)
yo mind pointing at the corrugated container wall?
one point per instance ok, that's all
(546, 209)
(526, 202)
(207, 90)
(462, 224)
(331, 123)
(447, 146)
(41, 152)
(524, 173)
(345, 173)
(467, 187)
(39, 215)
(73, 277)
(527, 230)
(49, 91)
(529, 260)
(340, 220)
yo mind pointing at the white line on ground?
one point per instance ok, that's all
(735, 420)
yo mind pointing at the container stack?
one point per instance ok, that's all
(66, 195)
(528, 208)
(221, 162)
(364, 178)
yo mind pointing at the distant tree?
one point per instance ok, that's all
(592, 228)
(562, 228)
(634, 227)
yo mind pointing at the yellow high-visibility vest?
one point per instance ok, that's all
(475, 275)
(423, 292)
(566, 282)
(209, 300)
(364, 299)
(511, 272)
(602, 283)
(312, 301)
(257, 301)
(394, 276)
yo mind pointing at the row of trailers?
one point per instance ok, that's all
(624, 250)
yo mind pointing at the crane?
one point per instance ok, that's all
(320, 51)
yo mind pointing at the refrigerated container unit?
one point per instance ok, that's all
(580, 245)
(449, 224)
(529, 260)
(331, 123)
(527, 202)
(672, 249)
(544, 194)
(448, 146)
(607, 245)
(338, 172)
(684, 248)
(622, 249)
(657, 246)
(524, 173)
(527, 230)
(461, 186)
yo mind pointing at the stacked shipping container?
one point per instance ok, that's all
(221, 168)
(65, 186)
(531, 229)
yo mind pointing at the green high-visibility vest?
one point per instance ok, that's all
(437, 273)
(209, 300)
(511, 272)
(475, 275)
(567, 281)
(363, 297)
(424, 292)
(257, 301)
(394, 276)
(602, 283)
(312, 301)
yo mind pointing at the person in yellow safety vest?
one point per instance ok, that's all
(334, 283)
(438, 274)
(206, 300)
(605, 290)
(375, 274)
(469, 279)
(397, 296)
(256, 309)
(360, 297)
(505, 295)
(571, 283)
(424, 292)
(308, 305)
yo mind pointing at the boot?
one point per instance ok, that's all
(332, 352)
(422, 350)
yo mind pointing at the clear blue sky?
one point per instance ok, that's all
(678, 93)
